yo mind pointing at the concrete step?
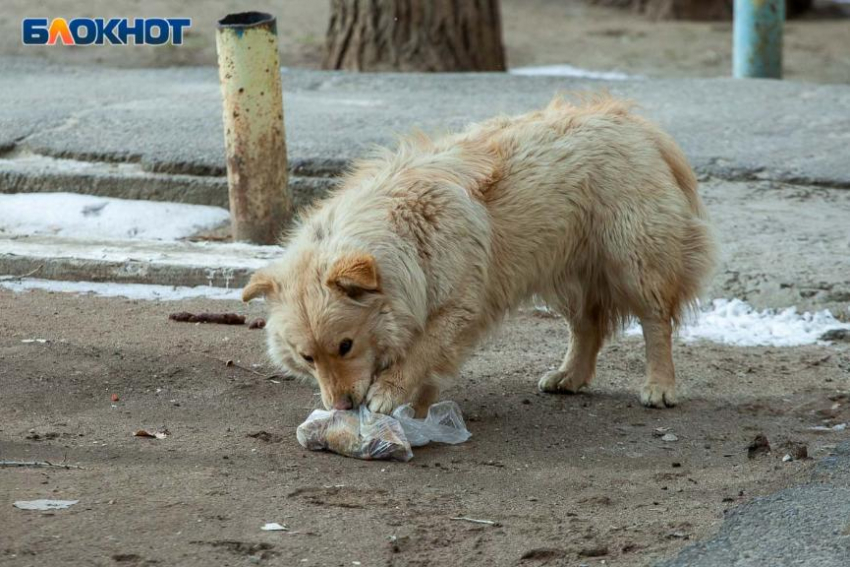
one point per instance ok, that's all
(23, 171)
(134, 261)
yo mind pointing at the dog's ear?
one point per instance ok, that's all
(354, 275)
(260, 285)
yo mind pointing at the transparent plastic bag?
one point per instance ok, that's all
(444, 424)
(372, 436)
(355, 433)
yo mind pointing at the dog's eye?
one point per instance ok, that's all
(309, 359)
(344, 347)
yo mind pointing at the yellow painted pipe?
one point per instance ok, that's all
(255, 140)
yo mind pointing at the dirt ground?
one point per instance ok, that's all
(569, 480)
(536, 32)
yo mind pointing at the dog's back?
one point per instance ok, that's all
(592, 207)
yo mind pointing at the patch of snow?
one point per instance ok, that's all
(825, 429)
(130, 291)
(570, 71)
(87, 216)
(735, 322)
(224, 256)
(44, 505)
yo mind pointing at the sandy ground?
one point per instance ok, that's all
(569, 479)
(536, 32)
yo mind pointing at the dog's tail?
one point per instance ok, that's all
(680, 168)
(698, 241)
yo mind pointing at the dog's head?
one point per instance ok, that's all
(329, 320)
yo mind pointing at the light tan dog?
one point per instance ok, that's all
(385, 288)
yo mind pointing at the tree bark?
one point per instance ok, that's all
(415, 35)
(694, 9)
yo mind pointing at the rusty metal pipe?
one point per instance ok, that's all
(249, 71)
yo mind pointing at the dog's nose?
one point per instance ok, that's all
(343, 403)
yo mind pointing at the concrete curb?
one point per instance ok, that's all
(25, 172)
(128, 261)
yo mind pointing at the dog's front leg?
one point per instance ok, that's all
(438, 352)
(399, 384)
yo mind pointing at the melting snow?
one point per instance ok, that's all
(87, 216)
(735, 322)
(130, 291)
(570, 71)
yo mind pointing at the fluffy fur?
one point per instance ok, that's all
(424, 249)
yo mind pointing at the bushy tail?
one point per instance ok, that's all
(698, 243)
(680, 168)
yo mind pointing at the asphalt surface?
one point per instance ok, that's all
(169, 119)
(803, 525)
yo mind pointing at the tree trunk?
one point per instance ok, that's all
(415, 35)
(694, 9)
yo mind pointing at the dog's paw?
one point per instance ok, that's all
(654, 395)
(560, 382)
(384, 397)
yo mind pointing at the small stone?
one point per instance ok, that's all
(669, 437)
(787, 458)
(796, 450)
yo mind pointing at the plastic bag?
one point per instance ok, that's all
(365, 435)
(444, 424)
(355, 433)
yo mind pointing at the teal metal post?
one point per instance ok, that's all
(758, 38)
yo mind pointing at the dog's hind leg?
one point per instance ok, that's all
(587, 333)
(660, 387)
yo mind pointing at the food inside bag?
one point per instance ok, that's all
(355, 433)
(363, 434)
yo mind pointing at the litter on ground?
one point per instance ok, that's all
(43, 505)
(362, 434)
(155, 435)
